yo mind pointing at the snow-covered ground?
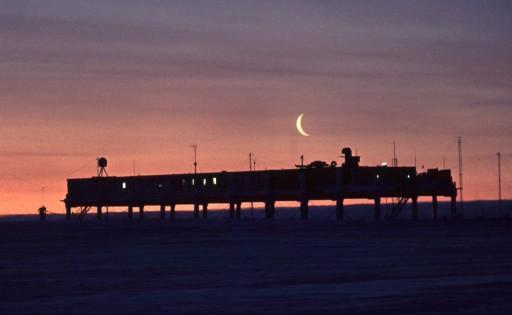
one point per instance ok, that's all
(221, 266)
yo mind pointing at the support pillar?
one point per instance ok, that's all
(304, 209)
(98, 212)
(141, 212)
(68, 213)
(231, 210)
(196, 211)
(205, 210)
(415, 208)
(173, 211)
(162, 212)
(269, 209)
(238, 210)
(453, 207)
(376, 214)
(434, 207)
(130, 212)
(340, 210)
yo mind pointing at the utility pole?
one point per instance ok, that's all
(194, 147)
(251, 169)
(499, 182)
(395, 161)
(461, 186)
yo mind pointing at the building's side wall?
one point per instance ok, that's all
(294, 184)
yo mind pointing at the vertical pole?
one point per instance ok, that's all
(141, 212)
(205, 210)
(376, 214)
(98, 212)
(68, 213)
(130, 212)
(395, 160)
(415, 208)
(231, 210)
(196, 211)
(499, 183)
(238, 210)
(173, 211)
(304, 209)
(461, 186)
(269, 209)
(434, 207)
(194, 147)
(162, 212)
(251, 169)
(340, 211)
(453, 207)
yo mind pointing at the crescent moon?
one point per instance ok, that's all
(299, 126)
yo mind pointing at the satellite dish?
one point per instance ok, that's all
(102, 165)
(102, 162)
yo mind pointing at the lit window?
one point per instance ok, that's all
(204, 181)
(160, 185)
(215, 180)
(378, 176)
(124, 185)
(183, 182)
(408, 176)
(193, 182)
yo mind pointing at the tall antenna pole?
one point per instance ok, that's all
(395, 161)
(499, 181)
(461, 186)
(194, 147)
(251, 169)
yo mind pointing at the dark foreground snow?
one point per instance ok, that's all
(255, 266)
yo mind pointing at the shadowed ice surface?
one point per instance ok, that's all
(221, 266)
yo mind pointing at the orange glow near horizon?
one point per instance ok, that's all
(142, 84)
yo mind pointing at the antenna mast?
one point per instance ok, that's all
(499, 181)
(461, 186)
(194, 147)
(395, 161)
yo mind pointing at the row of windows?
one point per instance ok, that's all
(184, 182)
(206, 181)
(408, 176)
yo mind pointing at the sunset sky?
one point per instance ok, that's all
(143, 80)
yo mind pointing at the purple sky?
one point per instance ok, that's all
(142, 80)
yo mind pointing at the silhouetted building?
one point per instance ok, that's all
(317, 181)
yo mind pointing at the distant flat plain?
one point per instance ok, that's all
(253, 266)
